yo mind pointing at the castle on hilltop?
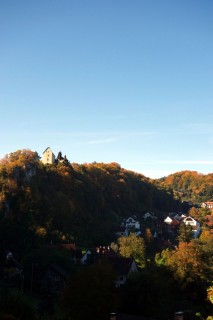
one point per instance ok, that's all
(48, 157)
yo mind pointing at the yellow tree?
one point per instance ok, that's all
(134, 247)
(210, 294)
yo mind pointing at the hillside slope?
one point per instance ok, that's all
(72, 202)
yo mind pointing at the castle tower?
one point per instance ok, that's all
(48, 156)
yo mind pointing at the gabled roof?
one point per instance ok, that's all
(121, 265)
(56, 268)
(168, 219)
(133, 218)
(46, 149)
(149, 215)
(13, 263)
(175, 222)
(189, 219)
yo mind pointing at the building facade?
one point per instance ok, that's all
(48, 156)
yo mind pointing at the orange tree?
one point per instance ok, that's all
(186, 261)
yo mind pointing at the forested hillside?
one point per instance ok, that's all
(72, 202)
(44, 206)
(189, 185)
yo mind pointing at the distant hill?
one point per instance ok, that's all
(189, 185)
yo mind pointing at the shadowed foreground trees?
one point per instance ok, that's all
(91, 294)
(191, 265)
(15, 306)
(48, 204)
(151, 293)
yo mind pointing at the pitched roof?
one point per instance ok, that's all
(59, 270)
(175, 222)
(46, 149)
(12, 262)
(121, 265)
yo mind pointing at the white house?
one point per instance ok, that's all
(48, 156)
(168, 220)
(190, 221)
(172, 223)
(194, 224)
(132, 223)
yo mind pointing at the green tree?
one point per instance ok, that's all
(134, 247)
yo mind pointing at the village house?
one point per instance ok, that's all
(194, 224)
(207, 205)
(172, 223)
(122, 232)
(12, 269)
(123, 267)
(55, 279)
(168, 220)
(131, 223)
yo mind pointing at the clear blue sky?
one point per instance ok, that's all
(129, 81)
